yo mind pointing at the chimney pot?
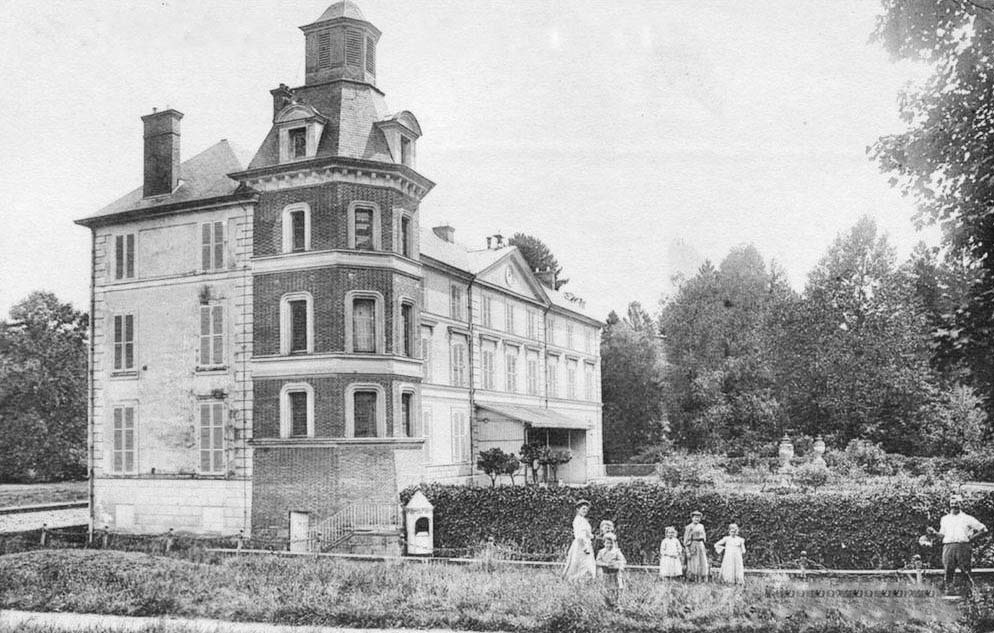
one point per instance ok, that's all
(161, 162)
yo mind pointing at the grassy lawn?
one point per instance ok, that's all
(32, 494)
(335, 592)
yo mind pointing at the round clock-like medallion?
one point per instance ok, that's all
(509, 275)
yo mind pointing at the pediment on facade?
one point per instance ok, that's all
(298, 112)
(511, 273)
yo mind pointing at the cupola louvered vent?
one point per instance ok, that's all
(370, 56)
(324, 49)
(353, 48)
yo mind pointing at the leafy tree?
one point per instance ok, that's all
(43, 387)
(944, 158)
(955, 422)
(859, 358)
(720, 330)
(632, 386)
(538, 255)
(493, 462)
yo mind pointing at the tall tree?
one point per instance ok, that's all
(719, 330)
(43, 390)
(631, 386)
(860, 347)
(538, 255)
(945, 156)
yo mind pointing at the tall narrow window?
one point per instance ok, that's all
(531, 371)
(124, 342)
(426, 355)
(353, 48)
(364, 229)
(124, 256)
(298, 142)
(365, 413)
(364, 326)
(588, 381)
(298, 325)
(370, 55)
(511, 365)
(488, 369)
(532, 324)
(509, 318)
(407, 324)
(426, 432)
(298, 233)
(406, 156)
(550, 330)
(123, 451)
(324, 49)
(552, 376)
(455, 302)
(487, 310)
(406, 413)
(211, 437)
(211, 336)
(458, 361)
(569, 335)
(212, 245)
(299, 407)
(405, 237)
(571, 379)
(460, 447)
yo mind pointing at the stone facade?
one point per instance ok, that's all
(278, 342)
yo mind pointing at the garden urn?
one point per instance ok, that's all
(818, 448)
(786, 452)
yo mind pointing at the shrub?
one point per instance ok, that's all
(812, 476)
(685, 469)
(870, 528)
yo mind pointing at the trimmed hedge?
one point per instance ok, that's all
(876, 529)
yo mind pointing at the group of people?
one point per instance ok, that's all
(689, 557)
(677, 558)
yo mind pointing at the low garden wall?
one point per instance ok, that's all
(865, 529)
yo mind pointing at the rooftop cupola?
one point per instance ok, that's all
(341, 44)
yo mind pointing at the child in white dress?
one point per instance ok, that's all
(670, 554)
(733, 547)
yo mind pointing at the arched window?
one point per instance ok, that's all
(365, 410)
(364, 229)
(296, 323)
(297, 410)
(297, 228)
(364, 322)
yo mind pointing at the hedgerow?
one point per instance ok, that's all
(864, 529)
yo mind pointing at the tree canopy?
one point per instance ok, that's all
(538, 255)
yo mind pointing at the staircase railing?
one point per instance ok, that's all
(339, 527)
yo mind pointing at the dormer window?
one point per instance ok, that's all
(406, 151)
(298, 142)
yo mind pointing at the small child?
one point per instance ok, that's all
(733, 547)
(670, 555)
(612, 563)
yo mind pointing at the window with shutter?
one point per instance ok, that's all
(365, 413)
(353, 48)
(124, 256)
(211, 336)
(364, 229)
(123, 449)
(124, 342)
(212, 245)
(211, 437)
(512, 373)
(370, 56)
(364, 326)
(324, 49)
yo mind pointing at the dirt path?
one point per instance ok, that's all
(83, 622)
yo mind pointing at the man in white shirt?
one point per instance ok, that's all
(957, 530)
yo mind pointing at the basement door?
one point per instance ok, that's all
(299, 527)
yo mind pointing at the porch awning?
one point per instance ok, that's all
(535, 416)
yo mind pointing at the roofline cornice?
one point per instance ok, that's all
(419, 185)
(144, 213)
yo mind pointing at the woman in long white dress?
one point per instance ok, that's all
(580, 562)
(733, 547)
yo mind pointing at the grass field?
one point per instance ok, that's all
(33, 494)
(333, 592)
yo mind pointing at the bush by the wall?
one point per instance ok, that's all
(868, 529)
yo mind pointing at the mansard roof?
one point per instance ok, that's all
(203, 177)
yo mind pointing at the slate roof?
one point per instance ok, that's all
(201, 177)
(349, 133)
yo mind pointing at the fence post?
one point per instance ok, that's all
(105, 537)
(240, 540)
(804, 564)
(44, 535)
(916, 562)
(169, 541)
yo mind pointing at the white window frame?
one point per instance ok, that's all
(531, 375)
(588, 381)
(569, 334)
(113, 452)
(286, 327)
(486, 310)
(426, 422)
(286, 427)
(123, 260)
(288, 212)
(211, 362)
(401, 215)
(458, 373)
(460, 436)
(427, 344)
(377, 224)
(487, 366)
(457, 302)
(408, 389)
(381, 408)
(532, 324)
(211, 449)
(550, 329)
(571, 372)
(552, 376)
(124, 369)
(413, 327)
(511, 370)
(217, 248)
(509, 324)
(378, 321)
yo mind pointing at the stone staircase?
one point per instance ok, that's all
(366, 528)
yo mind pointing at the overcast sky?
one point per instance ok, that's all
(634, 138)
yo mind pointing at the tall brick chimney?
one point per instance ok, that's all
(161, 152)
